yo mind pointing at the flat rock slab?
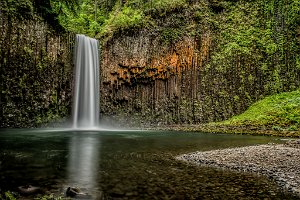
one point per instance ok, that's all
(280, 162)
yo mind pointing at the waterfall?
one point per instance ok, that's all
(86, 92)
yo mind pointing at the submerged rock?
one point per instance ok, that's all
(76, 193)
(28, 189)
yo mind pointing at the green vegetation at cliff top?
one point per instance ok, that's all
(99, 18)
(280, 111)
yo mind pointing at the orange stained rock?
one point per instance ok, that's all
(174, 60)
(151, 73)
(188, 54)
(120, 71)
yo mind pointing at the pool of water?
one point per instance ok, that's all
(126, 165)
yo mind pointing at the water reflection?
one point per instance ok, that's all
(131, 165)
(83, 161)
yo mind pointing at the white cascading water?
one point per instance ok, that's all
(86, 94)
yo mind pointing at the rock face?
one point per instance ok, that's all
(185, 71)
(161, 83)
(279, 162)
(36, 69)
(205, 61)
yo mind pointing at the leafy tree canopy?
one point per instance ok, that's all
(49, 10)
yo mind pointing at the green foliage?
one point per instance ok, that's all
(51, 197)
(20, 9)
(28, 9)
(8, 196)
(162, 7)
(84, 20)
(99, 20)
(169, 35)
(277, 111)
(256, 36)
(124, 19)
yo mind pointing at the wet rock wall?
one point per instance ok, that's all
(36, 72)
(161, 84)
(148, 81)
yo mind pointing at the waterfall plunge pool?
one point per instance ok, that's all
(126, 165)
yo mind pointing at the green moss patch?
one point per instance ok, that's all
(278, 112)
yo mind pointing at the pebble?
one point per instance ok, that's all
(279, 162)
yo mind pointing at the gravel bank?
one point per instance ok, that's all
(280, 162)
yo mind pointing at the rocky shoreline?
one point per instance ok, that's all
(227, 129)
(280, 162)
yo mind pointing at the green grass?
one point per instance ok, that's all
(280, 111)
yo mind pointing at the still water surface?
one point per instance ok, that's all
(126, 165)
